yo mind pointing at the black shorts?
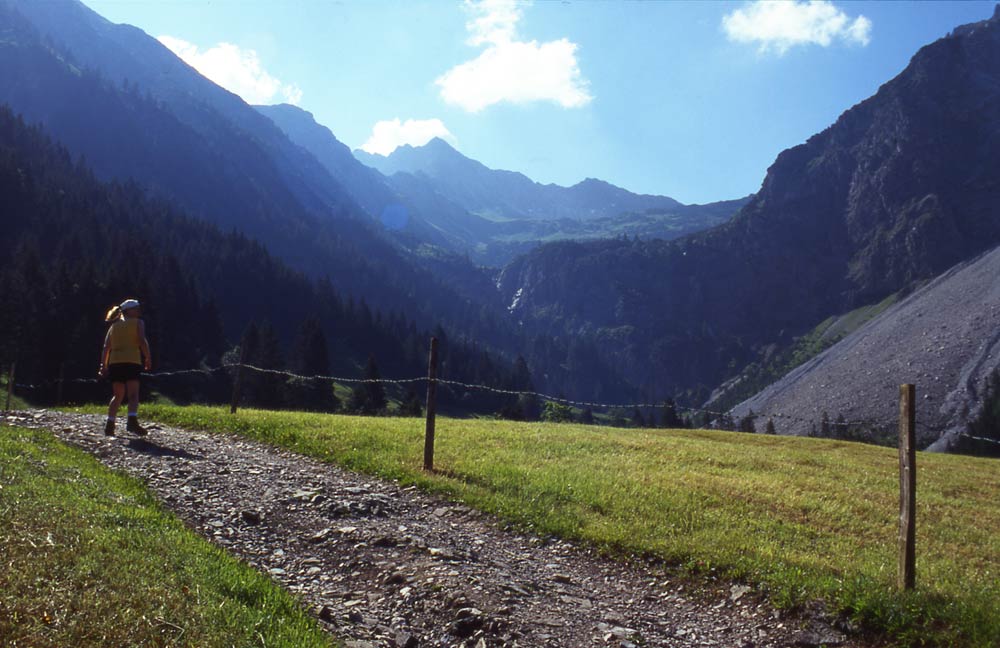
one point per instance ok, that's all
(124, 372)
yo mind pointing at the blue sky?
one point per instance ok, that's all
(690, 100)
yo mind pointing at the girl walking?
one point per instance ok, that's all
(125, 355)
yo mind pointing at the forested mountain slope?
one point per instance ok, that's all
(123, 53)
(195, 144)
(72, 246)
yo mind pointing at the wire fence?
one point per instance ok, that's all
(713, 415)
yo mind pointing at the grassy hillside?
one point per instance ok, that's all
(804, 518)
(90, 559)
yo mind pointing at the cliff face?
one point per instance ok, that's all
(903, 186)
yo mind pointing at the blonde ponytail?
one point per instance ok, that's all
(114, 313)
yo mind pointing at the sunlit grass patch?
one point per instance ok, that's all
(91, 559)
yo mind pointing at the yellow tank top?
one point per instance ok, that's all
(125, 342)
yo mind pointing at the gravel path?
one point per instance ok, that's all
(382, 565)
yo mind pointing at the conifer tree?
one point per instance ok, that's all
(824, 426)
(260, 348)
(249, 352)
(369, 397)
(527, 405)
(670, 417)
(411, 405)
(310, 358)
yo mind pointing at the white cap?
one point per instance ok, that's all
(129, 303)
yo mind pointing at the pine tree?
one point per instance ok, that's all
(522, 375)
(987, 424)
(411, 405)
(670, 417)
(272, 386)
(824, 426)
(769, 428)
(725, 422)
(529, 406)
(369, 397)
(310, 358)
(553, 412)
(249, 351)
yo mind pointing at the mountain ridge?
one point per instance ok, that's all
(504, 195)
(452, 229)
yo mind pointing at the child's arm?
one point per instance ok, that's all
(105, 352)
(144, 347)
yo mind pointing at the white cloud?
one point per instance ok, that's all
(237, 70)
(780, 25)
(494, 21)
(509, 69)
(389, 134)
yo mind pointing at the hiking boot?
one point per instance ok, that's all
(134, 427)
(109, 428)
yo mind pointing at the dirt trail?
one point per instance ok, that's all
(388, 566)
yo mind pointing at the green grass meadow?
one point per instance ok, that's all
(806, 519)
(89, 558)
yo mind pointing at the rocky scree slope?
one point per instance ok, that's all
(944, 338)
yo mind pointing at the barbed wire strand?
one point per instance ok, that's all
(862, 423)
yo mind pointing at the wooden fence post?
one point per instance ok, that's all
(236, 381)
(907, 487)
(431, 406)
(10, 384)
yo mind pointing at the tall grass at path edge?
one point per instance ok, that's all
(90, 558)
